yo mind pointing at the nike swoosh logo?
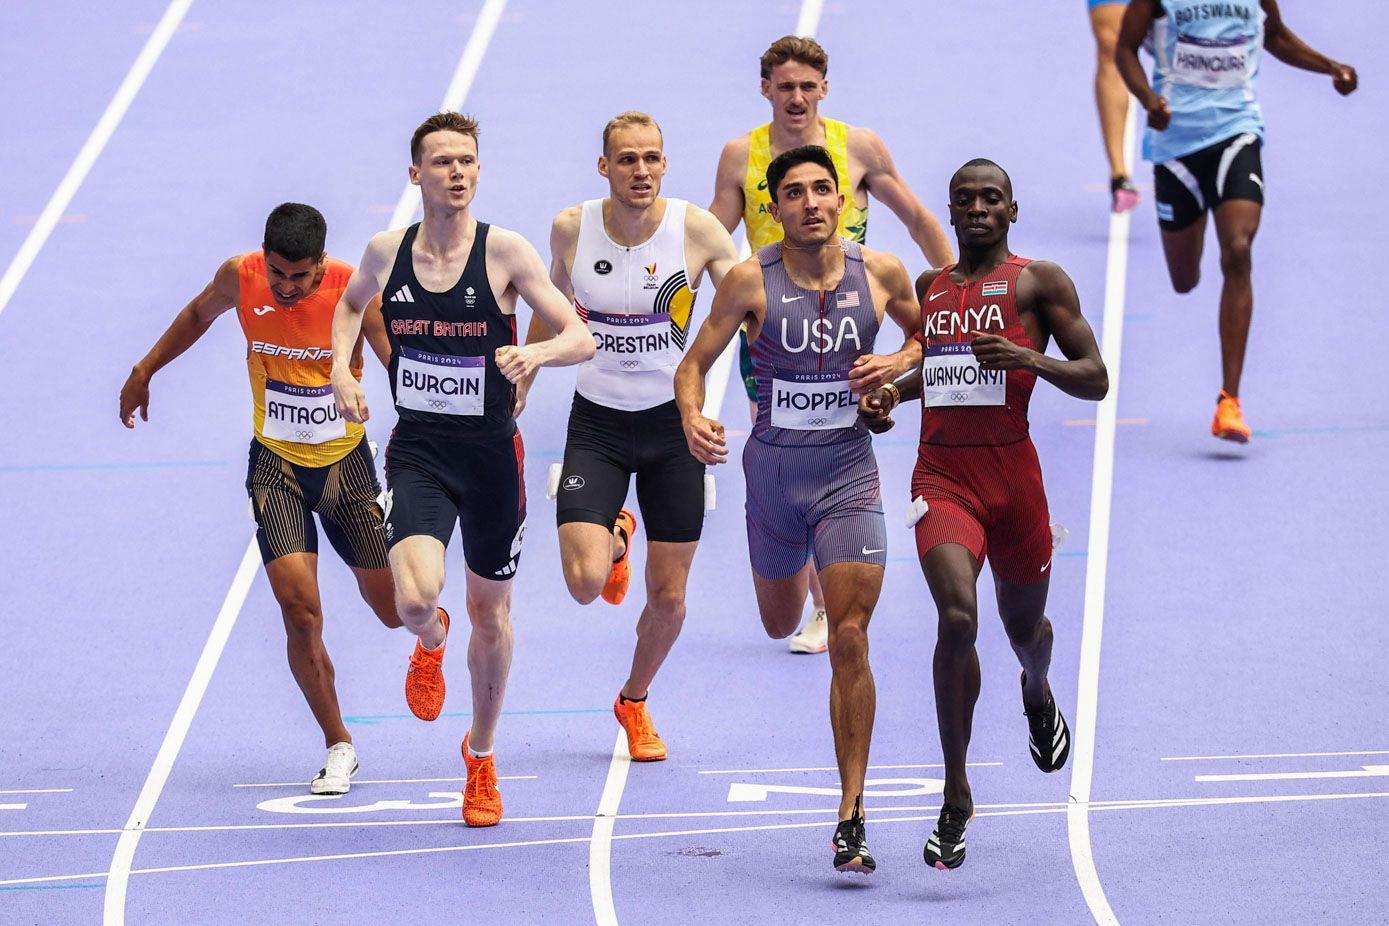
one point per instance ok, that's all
(1046, 567)
(264, 309)
(936, 296)
(868, 552)
(792, 299)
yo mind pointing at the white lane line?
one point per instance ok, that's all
(39, 791)
(1366, 771)
(13, 806)
(808, 23)
(1097, 566)
(91, 150)
(387, 781)
(871, 768)
(1273, 755)
(600, 884)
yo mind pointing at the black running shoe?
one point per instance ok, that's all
(1048, 736)
(851, 846)
(946, 847)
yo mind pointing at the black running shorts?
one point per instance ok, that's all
(435, 479)
(606, 447)
(1189, 185)
(284, 497)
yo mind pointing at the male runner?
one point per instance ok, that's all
(1112, 101)
(1205, 131)
(794, 80)
(450, 285)
(304, 457)
(631, 262)
(985, 325)
(812, 305)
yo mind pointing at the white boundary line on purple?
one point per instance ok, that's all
(1097, 565)
(1275, 755)
(91, 150)
(121, 863)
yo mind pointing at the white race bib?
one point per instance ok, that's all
(632, 343)
(950, 375)
(439, 383)
(1215, 64)
(814, 400)
(301, 414)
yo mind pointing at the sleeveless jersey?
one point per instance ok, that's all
(444, 371)
(637, 303)
(963, 405)
(1206, 63)
(757, 216)
(289, 356)
(802, 356)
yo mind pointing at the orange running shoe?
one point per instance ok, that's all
(615, 589)
(482, 802)
(643, 742)
(1229, 420)
(424, 680)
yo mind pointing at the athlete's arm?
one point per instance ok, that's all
(876, 407)
(1045, 289)
(366, 281)
(374, 330)
(708, 247)
(728, 202)
(1289, 49)
(188, 325)
(564, 240)
(1138, 19)
(886, 184)
(526, 274)
(892, 288)
(739, 289)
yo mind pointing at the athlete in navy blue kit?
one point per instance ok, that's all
(449, 287)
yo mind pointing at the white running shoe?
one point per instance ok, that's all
(336, 775)
(814, 637)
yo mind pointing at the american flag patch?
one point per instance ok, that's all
(997, 288)
(847, 300)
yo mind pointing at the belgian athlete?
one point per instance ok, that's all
(632, 262)
(794, 73)
(812, 305)
(304, 457)
(449, 287)
(1205, 132)
(985, 324)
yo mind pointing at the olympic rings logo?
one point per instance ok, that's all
(959, 396)
(817, 422)
(438, 403)
(303, 435)
(630, 364)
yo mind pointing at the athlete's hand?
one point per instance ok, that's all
(349, 397)
(517, 363)
(875, 408)
(1160, 114)
(519, 405)
(1344, 79)
(995, 352)
(135, 394)
(706, 440)
(871, 371)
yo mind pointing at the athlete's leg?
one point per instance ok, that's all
(1111, 96)
(1183, 252)
(851, 593)
(951, 574)
(1023, 609)
(417, 567)
(1236, 223)
(489, 655)
(587, 552)
(667, 572)
(378, 591)
(780, 603)
(294, 581)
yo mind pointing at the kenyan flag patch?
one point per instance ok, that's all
(997, 288)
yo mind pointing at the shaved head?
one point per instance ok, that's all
(984, 164)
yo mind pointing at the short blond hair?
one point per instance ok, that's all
(626, 120)
(441, 122)
(795, 48)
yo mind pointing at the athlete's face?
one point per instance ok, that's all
(808, 205)
(795, 91)
(448, 169)
(292, 280)
(981, 206)
(634, 165)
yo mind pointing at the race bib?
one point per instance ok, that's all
(439, 383)
(633, 343)
(950, 375)
(815, 400)
(1215, 64)
(301, 414)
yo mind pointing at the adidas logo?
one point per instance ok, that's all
(403, 295)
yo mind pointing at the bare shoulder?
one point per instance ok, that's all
(866, 145)
(701, 224)
(1044, 273)
(735, 154)
(744, 277)
(567, 221)
(925, 279)
(884, 264)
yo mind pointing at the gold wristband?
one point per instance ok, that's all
(896, 394)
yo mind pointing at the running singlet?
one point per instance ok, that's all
(963, 405)
(289, 355)
(637, 303)
(802, 356)
(757, 216)
(1206, 58)
(443, 346)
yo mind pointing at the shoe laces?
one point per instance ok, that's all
(951, 826)
(482, 777)
(642, 727)
(851, 831)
